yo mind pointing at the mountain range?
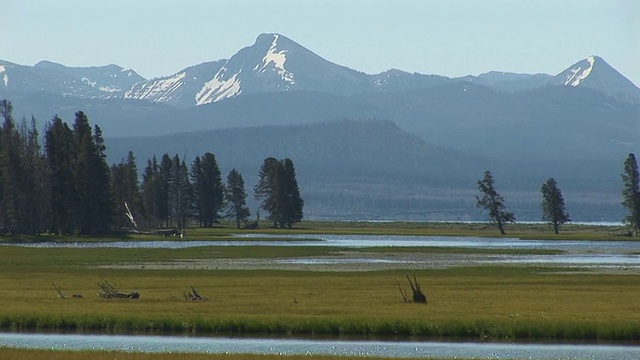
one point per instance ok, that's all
(385, 145)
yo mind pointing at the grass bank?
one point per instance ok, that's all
(226, 229)
(19, 354)
(484, 302)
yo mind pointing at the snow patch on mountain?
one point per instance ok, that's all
(218, 89)
(158, 91)
(278, 58)
(109, 89)
(5, 78)
(578, 74)
(88, 82)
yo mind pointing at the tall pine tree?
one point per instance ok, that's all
(13, 185)
(93, 206)
(180, 198)
(208, 190)
(236, 196)
(293, 202)
(278, 190)
(631, 193)
(126, 192)
(553, 209)
(493, 202)
(152, 194)
(60, 157)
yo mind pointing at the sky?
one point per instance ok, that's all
(445, 37)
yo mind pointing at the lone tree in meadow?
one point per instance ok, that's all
(493, 202)
(631, 192)
(553, 210)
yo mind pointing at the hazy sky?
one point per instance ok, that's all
(445, 37)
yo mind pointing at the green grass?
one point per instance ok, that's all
(494, 302)
(224, 231)
(20, 354)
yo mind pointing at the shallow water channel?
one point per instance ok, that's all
(407, 349)
(599, 255)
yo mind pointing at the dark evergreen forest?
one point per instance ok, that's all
(65, 186)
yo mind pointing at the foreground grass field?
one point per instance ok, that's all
(484, 302)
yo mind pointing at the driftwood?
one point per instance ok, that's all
(193, 295)
(108, 291)
(62, 294)
(417, 295)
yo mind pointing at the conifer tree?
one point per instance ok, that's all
(13, 190)
(293, 202)
(278, 190)
(93, 205)
(180, 192)
(493, 202)
(36, 180)
(266, 190)
(208, 189)
(631, 192)
(235, 196)
(59, 154)
(149, 192)
(164, 184)
(125, 190)
(553, 208)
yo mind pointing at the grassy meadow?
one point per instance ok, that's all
(489, 302)
(482, 302)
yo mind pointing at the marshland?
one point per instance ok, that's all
(493, 302)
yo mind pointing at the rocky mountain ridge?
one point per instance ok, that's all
(275, 63)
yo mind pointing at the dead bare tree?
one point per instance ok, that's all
(108, 291)
(417, 295)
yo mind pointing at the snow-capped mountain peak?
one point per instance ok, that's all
(577, 74)
(278, 59)
(595, 73)
(263, 63)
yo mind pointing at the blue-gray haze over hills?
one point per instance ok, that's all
(393, 145)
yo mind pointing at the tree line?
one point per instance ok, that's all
(553, 205)
(65, 185)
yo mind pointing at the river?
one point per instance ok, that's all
(405, 349)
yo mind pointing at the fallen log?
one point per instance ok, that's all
(108, 291)
(61, 294)
(193, 295)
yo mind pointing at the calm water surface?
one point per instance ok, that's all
(164, 344)
(360, 241)
(587, 254)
